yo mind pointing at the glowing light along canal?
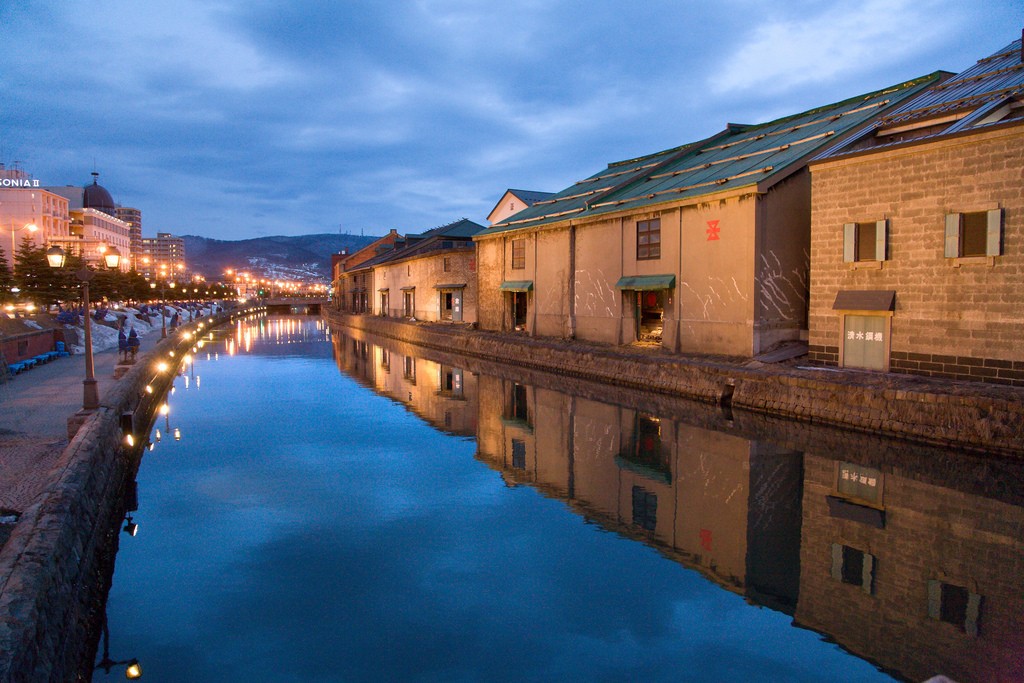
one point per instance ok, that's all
(319, 508)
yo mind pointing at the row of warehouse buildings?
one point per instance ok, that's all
(885, 231)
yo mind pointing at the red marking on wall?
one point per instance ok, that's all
(712, 231)
(705, 534)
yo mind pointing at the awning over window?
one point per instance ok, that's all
(643, 470)
(865, 300)
(643, 283)
(383, 289)
(408, 289)
(517, 285)
(449, 286)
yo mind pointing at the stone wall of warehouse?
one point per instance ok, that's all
(58, 561)
(954, 318)
(971, 416)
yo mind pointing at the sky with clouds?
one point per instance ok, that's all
(234, 119)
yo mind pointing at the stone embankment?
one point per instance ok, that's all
(55, 568)
(978, 417)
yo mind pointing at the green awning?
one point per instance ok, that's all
(451, 286)
(517, 285)
(642, 283)
(643, 470)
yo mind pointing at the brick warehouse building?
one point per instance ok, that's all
(702, 248)
(427, 276)
(917, 234)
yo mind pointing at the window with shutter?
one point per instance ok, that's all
(864, 241)
(974, 233)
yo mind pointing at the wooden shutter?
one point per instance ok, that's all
(867, 575)
(952, 235)
(837, 561)
(881, 235)
(935, 599)
(849, 242)
(995, 233)
(973, 612)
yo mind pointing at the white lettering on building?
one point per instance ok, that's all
(18, 182)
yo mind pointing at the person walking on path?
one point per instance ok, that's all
(34, 412)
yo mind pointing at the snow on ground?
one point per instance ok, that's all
(105, 337)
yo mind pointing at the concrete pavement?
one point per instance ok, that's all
(34, 410)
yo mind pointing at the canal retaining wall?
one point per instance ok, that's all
(971, 416)
(58, 560)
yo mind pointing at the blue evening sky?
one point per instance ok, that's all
(234, 119)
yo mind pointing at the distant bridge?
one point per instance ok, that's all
(309, 305)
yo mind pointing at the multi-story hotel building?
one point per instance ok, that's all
(29, 210)
(133, 217)
(95, 227)
(162, 257)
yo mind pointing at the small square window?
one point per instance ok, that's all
(854, 567)
(973, 234)
(864, 241)
(955, 605)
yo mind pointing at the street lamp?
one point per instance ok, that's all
(31, 227)
(55, 257)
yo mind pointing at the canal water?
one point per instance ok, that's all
(326, 506)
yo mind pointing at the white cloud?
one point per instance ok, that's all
(843, 39)
(125, 44)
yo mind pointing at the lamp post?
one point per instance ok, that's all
(55, 256)
(31, 227)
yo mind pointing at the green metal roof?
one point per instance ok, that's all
(739, 156)
(516, 285)
(641, 283)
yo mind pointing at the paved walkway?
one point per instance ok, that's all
(34, 410)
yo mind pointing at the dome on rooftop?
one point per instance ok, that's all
(97, 197)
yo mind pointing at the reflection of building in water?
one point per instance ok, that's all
(442, 394)
(890, 563)
(718, 503)
(912, 561)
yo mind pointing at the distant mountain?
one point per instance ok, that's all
(306, 257)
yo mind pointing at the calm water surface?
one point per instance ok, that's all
(339, 509)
